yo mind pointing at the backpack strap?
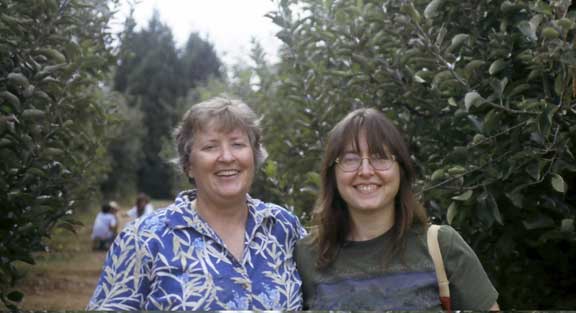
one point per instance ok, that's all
(434, 250)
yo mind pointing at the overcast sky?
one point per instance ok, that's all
(228, 24)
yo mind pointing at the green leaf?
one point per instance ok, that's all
(451, 212)
(11, 99)
(567, 225)
(33, 113)
(36, 172)
(558, 183)
(565, 23)
(409, 9)
(15, 296)
(534, 170)
(516, 198)
(314, 178)
(538, 222)
(440, 77)
(457, 41)
(491, 121)
(507, 7)
(52, 54)
(474, 65)
(271, 169)
(518, 90)
(559, 85)
(478, 139)
(431, 10)
(550, 33)
(53, 152)
(17, 79)
(464, 196)
(472, 98)
(455, 170)
(418, 78)
(542, 7)
(496, 67)
(11, 20)
(438, 174)
(491, 202)
(527, 30)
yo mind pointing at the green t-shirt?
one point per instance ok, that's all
(357, 280)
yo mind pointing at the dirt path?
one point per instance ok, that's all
(65, 277)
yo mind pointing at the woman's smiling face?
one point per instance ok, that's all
(367, 189)
(222, 163)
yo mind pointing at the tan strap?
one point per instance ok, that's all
(434, 250)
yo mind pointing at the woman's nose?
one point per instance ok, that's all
(226, 154)
(366, 168)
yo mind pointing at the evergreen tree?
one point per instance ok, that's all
(199, 62)
(124, 151)
(155, 78)
(148, 75)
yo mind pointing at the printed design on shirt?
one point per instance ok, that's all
(393, 291)
(173, 260)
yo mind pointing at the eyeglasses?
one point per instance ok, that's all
(351, 162)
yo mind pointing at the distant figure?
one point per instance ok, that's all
(141, 207)
(104, 229)
(115, 210)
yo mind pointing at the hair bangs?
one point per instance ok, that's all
(348, 139)
(351, 135)
(377, 137)
(224, 119)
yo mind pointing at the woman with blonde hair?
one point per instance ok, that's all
(215, 248)
(368, 250)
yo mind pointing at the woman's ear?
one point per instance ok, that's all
(189, 171)
(188, 168)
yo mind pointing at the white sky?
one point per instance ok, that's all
(228, 24)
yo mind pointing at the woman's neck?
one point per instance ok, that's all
(228, 220)
(222, 212)
(371, 224)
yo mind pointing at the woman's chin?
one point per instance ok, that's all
(232, 193)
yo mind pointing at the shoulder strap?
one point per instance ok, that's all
(434, 250)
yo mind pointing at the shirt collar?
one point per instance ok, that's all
(181, 214)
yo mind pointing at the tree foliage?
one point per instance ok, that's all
(484, 91)
(53, 119)
(124, 150)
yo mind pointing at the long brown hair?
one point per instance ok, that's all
(331, 215)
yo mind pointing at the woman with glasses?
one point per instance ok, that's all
(368, 248)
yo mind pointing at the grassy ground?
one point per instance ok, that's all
(65, 277)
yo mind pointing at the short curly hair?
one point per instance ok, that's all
(228, 114)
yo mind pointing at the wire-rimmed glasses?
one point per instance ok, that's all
(351, 162)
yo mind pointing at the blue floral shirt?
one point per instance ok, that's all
(173, 260)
